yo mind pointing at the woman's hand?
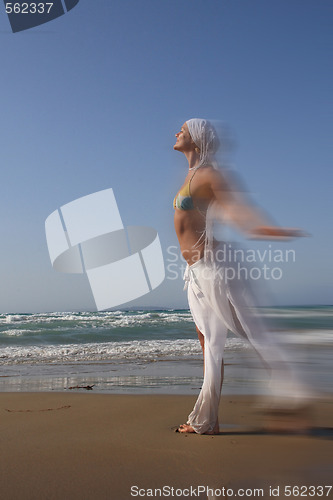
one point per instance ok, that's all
(274, 232)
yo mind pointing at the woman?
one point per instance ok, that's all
(217, 303)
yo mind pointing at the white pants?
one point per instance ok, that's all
(217, 305)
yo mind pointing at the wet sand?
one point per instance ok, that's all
(86, 446)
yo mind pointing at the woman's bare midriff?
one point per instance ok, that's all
(190, 226)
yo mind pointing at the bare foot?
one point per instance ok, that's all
(186, 429)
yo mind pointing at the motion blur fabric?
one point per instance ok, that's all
(87, 235)
(217, 305)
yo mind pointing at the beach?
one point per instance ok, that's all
(62, 441)
(102, 446)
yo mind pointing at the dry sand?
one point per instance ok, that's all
(92, 446)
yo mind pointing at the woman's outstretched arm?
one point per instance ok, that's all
(234, 206)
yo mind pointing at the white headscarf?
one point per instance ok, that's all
(205, 137)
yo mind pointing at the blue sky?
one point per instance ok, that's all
(93, 99)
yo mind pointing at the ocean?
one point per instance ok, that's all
(151, 351)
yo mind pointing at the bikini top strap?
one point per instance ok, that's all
(189, 182)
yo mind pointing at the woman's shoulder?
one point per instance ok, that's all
(211, 180)
(205, 171)
(210, 174)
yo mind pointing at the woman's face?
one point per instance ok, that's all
(184, 141)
